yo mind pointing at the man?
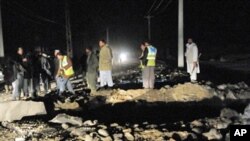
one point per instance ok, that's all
(192, 59)
(64, 73)
(45, 71)
(20, 70)
(92, 65)
(56, 67)
(105, 64)
(148, 61)
(27, 82)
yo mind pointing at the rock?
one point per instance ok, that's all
(222, 87)
(114, 125)
(228, 113)
(192, 137)
(223, 124)
(129, 136)
(195, 123)
(88, 138)
(117, 136)
(106, 139)
(128, 130)
(180, 135)
(67, 105)
(233, 86)
(230, 95)
(197, 130)
(65, 126)
(63, 118)
(90, 123)
(242, 85)
(136, 125)
(103, 132)
(244, 94)
(246, 114)
(20, 139)
(103, 126)
(152, 126)
(16, 110)
(151, 134)
(213, 134)
(209, 83)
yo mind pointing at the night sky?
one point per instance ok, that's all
(219, 27)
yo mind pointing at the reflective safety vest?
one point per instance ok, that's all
(64, 62)
(152, 51)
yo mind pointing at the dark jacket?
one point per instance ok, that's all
(92, 63)
(10, 71)
(20, 64)
(56, 66)
(144, 57)
(46, 67)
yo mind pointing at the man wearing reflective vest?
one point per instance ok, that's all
(149, 62)
(65, 71)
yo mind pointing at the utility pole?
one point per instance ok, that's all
(1, 34)
(149, 25)
(68, 30)
(180, 34)
(107, 35)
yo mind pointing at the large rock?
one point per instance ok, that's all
(16, 110)
(228, 113)
(213, 134)
(63, 118)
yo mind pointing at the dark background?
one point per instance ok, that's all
(219, 27)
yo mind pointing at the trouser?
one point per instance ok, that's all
(91, 80)
(15, 93)
(192, 71)
(148, 77)
(28, 87)
(36, 86)
(106, 78)
(45, 80)
(63, 83)
(7, 88)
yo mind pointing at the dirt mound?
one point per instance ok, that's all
(181, 92)
(189, 92)
(122, 95)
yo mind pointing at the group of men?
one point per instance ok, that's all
(148, 62)
(27, 70)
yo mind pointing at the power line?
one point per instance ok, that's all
(158, 6)
(164, 8)
(149, 11)
(31, 13)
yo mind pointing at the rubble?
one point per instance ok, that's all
(16, 110)
(70, 127)
(63, 118)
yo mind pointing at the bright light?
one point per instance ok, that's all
(123, 57)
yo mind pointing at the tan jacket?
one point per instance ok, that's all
(105, 59)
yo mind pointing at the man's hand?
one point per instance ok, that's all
(195, 64)
(25, 60)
